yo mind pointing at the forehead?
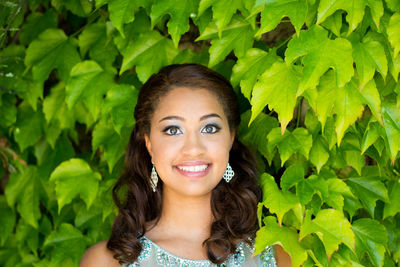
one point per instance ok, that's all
(188, 103)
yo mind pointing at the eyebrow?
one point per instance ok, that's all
(182, 119)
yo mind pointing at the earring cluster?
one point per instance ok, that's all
(154, 179)
(229, 173)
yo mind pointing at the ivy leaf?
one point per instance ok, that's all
(89, 82)
(179, 12)
(113, 143)
(8, 110)
(322, 99)
(67, 175)
(81, 8)
(348, 107)
(368, 189)
(149, 47)
(319, 153)
(321, 53)
(276, 88)
(256, 134)
(369, 56)
(29, 127)
(331, 227)
(222, 12)
(66, 242)
(248, 68)
(24, 188)
(275, 200)
(55, 109)
(371, 238)
(272, 233)
(123, 12)
(290, 142)
(372, 133)
(372, 98)
(51, 50)
(391, 120)
(35, 24)
(355, 11)
(237, 36)
(7, 220)
(292, 176)
(120, 103)
(274, 11)
(393, 33)
(95, 40)
(337, 190)
(306, 189)
(392, 208)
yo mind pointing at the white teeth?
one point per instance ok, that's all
(197, 168)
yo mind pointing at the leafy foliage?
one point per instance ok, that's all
(318, 84)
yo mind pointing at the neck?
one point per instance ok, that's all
(186, 216)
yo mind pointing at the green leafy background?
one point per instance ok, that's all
(319, 94)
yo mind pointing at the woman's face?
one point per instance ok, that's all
(189, 141)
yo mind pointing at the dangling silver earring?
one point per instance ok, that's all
(154, 179)
(229, 173)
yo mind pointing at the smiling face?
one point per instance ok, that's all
(189, 141)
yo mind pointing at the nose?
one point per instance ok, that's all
(193, 145)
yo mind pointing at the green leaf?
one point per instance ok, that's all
(348, 107)
(24, 188)
(334, 23)
(120, 103)
(7, 220)
(149, 47)
(392, 208)
(272, 233)
(372, 98)
(331, 227)
(70, 173)
(368, 189)
(35, 24)
(90, 83)
(66, 242)
(337, 190)
(371, 237)
(323, 97)
(80, 8)
(248, 68)
(29, 127)
(391, 120)
(321, 53)
(123, 12)
(393, 33)
(292, 176)
(237, 36)
(274, 11)
(355, 10)
(275, 200)
(306, 189)
(290, 142)
(179, 12)
(51, 50)
(319, 153)
(101, 49)
(222, 12)
(256, 134)
(8, 110)
(369, 56)
(276, 88)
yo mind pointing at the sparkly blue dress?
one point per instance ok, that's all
(154, 255)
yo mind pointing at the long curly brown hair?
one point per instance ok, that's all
(233, 204)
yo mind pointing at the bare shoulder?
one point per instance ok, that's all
(98, 255)
(283, 259)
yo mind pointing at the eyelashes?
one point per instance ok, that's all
(176, 130)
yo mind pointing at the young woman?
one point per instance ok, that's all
(189, 193)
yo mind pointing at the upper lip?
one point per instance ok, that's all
(193, 163)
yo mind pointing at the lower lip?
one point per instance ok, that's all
(194, 174)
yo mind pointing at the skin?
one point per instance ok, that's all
(188, 128)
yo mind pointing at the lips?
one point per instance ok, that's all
(193, 169)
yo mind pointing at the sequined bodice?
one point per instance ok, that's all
(154, 255)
